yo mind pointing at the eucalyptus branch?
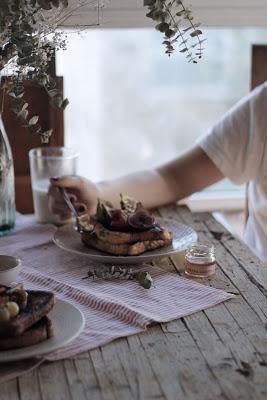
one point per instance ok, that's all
(170, 16)
(3, 101)
(117, 272)
(29, 37)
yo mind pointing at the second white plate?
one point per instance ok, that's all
(68, 322)
(67, 238)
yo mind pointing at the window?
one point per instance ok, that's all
(132, 107)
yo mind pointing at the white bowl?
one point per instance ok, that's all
(9, 269)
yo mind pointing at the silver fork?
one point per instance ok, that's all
(72, 208)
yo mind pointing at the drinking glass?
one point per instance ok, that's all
(45, 163)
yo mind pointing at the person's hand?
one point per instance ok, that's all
(82, 193)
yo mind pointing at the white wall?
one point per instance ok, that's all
(131, 13)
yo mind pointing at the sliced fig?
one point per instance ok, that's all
(103, 213)
(141, 220)
(118, 221)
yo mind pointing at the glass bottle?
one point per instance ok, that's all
(7, 186)
(200, 260)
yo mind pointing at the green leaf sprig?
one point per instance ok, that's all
(29, 37)
(176, 22)
(117, 272)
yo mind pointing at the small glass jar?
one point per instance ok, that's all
(200, 260)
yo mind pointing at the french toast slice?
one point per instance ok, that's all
(40, 331)
(124, 249)
(39, 304)
(117, 237)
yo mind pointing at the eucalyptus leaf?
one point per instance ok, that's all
(34, 120)
(53, 92)
(64, 104)
(23, 114)
(162, 27)
(26, 44)
(196, 33)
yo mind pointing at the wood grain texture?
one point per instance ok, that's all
(216, 354)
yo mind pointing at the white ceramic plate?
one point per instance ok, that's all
(67, 238)
(68, 322)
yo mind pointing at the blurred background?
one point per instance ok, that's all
(132, 107)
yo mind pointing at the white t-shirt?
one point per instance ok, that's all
(237, 145)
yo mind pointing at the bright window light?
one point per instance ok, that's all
(132, 107)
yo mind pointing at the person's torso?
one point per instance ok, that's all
(256, 229)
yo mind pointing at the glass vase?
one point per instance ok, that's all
(7, 185)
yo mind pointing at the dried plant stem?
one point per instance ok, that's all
(119, 272)
(169, 17)
(3, 100)
(180, 34)
(193, 27)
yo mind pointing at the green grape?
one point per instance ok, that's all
(13, 308)
(4, 314)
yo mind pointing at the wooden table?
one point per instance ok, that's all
(220, 353)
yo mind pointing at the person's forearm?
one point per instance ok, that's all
(173, 181)
(191, 172)
(149, 187)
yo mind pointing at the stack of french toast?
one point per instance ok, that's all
(126, 231)
(23, 316)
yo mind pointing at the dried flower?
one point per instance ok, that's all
(117, 272)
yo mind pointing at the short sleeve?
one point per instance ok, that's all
(236, 144)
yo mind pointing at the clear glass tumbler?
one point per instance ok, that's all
(45, 163)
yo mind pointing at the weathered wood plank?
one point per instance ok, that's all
(29, 387)
(242, 311)
(103, 378)
(232, 269)
(178, 363)
(197, 357)
(227, 330)
(143, 380)
(220, 280)
(254, 267)
(9, 390)
(53, 384)
(127, 371)
(217, 355)
(241, 348)
(115, 370)
(86, 374)
(163, 362)
(73, 381)
(220, 360)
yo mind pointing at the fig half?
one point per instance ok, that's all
(118, 221)
(141, 220)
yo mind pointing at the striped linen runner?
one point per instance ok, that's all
(112, 308)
